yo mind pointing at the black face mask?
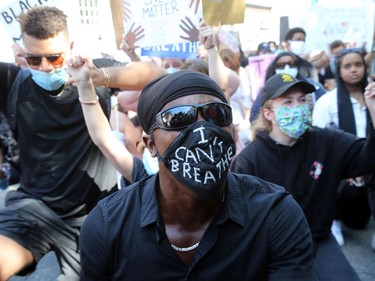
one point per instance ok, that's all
(200, 157)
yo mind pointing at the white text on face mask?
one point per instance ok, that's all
(185, 160)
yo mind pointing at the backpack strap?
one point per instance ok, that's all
(13, 96)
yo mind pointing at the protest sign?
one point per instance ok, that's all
(352, 24)
(12, 9)
(181, 50)
(164, 21)
(257, 72)
(224, 11)
(118, 22)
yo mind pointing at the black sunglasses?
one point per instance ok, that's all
(179, 117)
(55, 60)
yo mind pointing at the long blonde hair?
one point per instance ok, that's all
(261, 123)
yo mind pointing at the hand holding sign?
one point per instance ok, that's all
(208, 35)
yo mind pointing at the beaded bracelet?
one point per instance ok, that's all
(89, 102)
(107, 76)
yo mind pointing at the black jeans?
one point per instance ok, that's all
(353, 206)
(330, 262)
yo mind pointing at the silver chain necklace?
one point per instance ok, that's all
(187, 249)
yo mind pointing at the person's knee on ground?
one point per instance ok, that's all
(353, 207)
(13, 258)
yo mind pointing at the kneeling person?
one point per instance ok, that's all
(194, 218)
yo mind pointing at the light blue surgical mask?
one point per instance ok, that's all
(172, 70)
(150, 163)
(50, 81)
(114, 101)
(292, 71)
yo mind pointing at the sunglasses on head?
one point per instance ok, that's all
(55, 60)
(350, 50)
(180, 117)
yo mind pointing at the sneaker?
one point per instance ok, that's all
(337, 232)
(373, 242)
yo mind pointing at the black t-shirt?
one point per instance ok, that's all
(259, 234)
(59, 163)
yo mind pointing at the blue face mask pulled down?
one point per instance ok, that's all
(50, 81)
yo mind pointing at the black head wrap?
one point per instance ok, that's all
(169, 87)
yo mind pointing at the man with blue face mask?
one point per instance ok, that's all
(193, 220)
(63, 173)
(308, 161)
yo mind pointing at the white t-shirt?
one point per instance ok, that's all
(325, 113)
(240, 102)
(121, 138)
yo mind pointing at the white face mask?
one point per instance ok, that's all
(292, 71)
(297, 47)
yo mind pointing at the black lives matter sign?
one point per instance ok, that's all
(10, 12)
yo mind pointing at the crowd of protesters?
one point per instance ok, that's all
(166, 168)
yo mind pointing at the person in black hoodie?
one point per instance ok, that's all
(308, 161)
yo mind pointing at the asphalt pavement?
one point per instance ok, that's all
(357, 249)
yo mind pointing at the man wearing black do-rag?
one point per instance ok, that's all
(194, 220)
